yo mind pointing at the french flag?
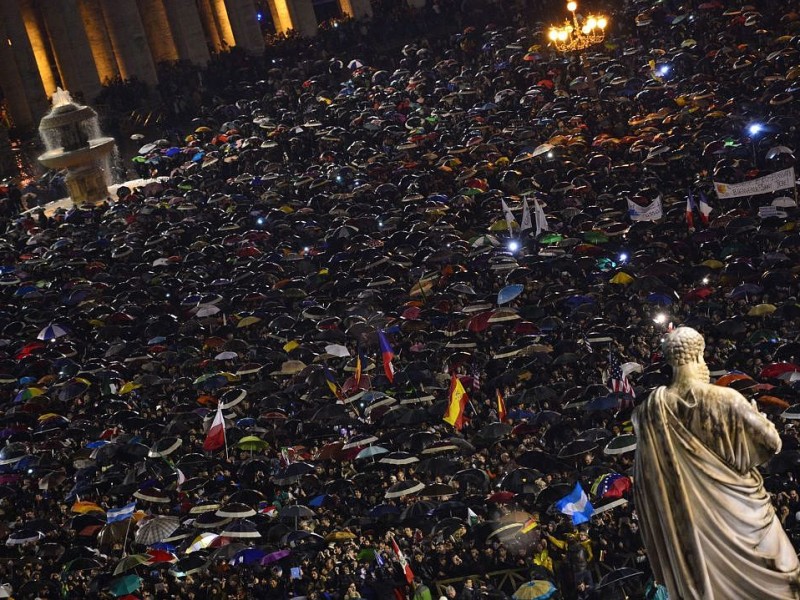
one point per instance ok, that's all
(388, 354)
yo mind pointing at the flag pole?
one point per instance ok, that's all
(224, 434)
(125, 539)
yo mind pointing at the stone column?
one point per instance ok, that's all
(40, 45)
(187, 31)
(129, 40)
(356, 9)
(29, 104)
(71, 49)
(280, 15)
(244, 22)
(210, 24)
(302, 15)
(95, 26)
(156, 26)
(220, 12)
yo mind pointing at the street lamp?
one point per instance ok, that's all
(753, 130)
(573, 35)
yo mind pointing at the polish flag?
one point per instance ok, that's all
(215, 439)
(403, 562)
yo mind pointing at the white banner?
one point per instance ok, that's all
(780, 180)
(651, 212)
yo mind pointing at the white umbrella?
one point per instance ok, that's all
(206, 310)
(337, 350)
(52, 332)
(228, 355)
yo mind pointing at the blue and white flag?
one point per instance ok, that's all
(577, 504)
(120, 514)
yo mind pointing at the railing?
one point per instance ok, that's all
(507, 580)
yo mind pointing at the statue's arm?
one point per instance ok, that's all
(762, 434)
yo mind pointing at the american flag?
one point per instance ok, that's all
(617, 381)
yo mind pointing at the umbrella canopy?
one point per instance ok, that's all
(538, 589)
(156, 529)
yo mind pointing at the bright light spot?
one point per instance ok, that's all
(336, 24)
(755, 129)
(602, 22)
(306, 249)
(663, 70)
(660, 318)
(380, 223)
(260, 16)
(549, 155)
(513, 245)
(705, 280)
(623, 257)
(572, 6)
(260, 220)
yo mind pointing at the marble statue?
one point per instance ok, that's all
(708, 525)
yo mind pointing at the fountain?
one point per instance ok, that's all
(73, 140)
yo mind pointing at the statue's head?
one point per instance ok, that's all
(684, 347)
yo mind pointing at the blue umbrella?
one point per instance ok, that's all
(608, 402)
(508, 293)
(248, 556)
(173, 151)
(52, 332)
(657, 298)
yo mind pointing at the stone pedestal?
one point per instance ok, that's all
(87, 185)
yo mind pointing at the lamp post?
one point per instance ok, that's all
(574, 35)
(753, 129)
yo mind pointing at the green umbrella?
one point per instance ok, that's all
(130, 562)
(367, 554)
(595, 237)
(252, 443)
(551, 238)
(127, 584)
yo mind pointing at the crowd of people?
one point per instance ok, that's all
(335, 247)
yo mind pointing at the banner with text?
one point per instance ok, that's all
(780, 180)
(651, 212)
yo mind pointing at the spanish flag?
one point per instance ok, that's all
(501, 406)
(359, 369)
(458, 402)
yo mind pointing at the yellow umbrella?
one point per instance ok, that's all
(760, 310)
(712, 263)
(248, 321)
(339, 536)
(622, 278)
(129, 387)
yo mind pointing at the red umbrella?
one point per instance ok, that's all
(778, 369)
(480, 322)
(504, 497)
(697, 294)
(161, 556)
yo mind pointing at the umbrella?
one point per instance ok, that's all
(252, 443)
(52, 332)
(538, 589)
(508, 293)
(618, 577)
(127, 584)
(404, 488)
(131, 562)
(621, 444)
(156, 529)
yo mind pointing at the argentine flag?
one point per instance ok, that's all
(577, 504)
(120, 514)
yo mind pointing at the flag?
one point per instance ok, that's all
(541, 219)
(359, 369)
(705, 209)
(510, 220)
(181, 479)
(403, 562)
(215, 438)
(576, 504)
(617, 381)
(690, 210)
(501, 406)
(526, 216)
(120, 514)
(530, 524)
(476, 377)
(457, 403)
(387, 354)
(332, 385)
(472, 517)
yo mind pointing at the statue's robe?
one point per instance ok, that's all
(709, 527)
